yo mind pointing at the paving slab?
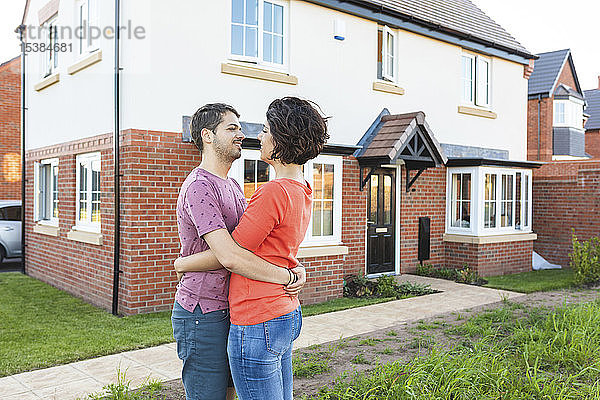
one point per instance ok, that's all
(76, 380)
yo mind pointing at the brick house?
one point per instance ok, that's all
(565, 189)
(427, 159)
(10, 129)
(592, 125)
(555, 109)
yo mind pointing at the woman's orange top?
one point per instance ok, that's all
(272, 227)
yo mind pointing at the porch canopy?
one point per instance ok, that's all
(393, 139)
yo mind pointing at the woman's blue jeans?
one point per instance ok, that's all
(260, 357)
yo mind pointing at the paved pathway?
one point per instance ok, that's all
(76, 380)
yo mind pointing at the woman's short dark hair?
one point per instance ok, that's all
(208, 116)
(299, 130)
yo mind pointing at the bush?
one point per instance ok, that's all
(384, 287)
(465, 275)
(585, 261)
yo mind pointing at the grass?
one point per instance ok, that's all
(308, 365)
(41, 326)
(534, 281)
(341, 304)
(519, 354)
(121, 390)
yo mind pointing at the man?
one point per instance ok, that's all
(208, 208)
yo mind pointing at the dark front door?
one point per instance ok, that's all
(381, 218)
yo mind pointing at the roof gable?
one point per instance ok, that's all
(547, 70)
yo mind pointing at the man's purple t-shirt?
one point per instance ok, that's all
(206, 203)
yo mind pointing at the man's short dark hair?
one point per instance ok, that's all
(299, 130)
(208, 116)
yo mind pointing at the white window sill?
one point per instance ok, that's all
(258, 72)
(47, 81)
(83, 236)
(477, 112)
(388, 87)
(45, 228)
(501, 238)
(88, 61)
(322, 251)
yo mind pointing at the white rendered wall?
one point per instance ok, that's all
(177, 68)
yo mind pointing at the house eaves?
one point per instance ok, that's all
(432, 18)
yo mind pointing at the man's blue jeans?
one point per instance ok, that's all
(202, 345)
(260, 357)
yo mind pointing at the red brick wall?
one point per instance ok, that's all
(546, 112)
(10, 130)
(592, 142)
(427, 198)
(490, 259)
(566, 77)
(82, 269)
(326, 274)
(566, 196)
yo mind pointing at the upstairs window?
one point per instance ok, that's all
(50, 56)
(568, 113)
(258, 31)
(86, 17)
(475, 79)
(386, 51)
(46, 184)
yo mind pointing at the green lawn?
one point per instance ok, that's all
(41, 326)
(534, 281)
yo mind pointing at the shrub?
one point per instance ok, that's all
(585, 261)
(384, 287)
(465, 275)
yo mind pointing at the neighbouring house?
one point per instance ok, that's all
(555, 109)
(565, 189)
(592, 125)
(427, 160)
(10, 129)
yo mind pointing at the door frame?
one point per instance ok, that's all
(397, 232)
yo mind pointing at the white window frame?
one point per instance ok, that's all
(87, 44)
(481, 89)
(47, 192)
(87, 224)
(237, 172)
(49, 57)
(572, 113)
(389, 75)
(258, 60)
(478, 200)
(472, 222)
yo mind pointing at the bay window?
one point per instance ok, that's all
(259, 31)
(88, 192)
(46, 184)
(568, 113)
(488, 200)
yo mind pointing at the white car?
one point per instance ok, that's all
(10, 229)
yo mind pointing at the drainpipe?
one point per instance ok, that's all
(539, 125)
(21, 31)
(116, 158)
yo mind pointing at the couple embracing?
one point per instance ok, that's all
(237, 312)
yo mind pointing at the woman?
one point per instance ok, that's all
(264, 319)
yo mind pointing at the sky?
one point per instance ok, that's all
(539, 25)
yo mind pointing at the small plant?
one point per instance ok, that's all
(121, 390)
(392, 333)
(585, 261)
(387, 351)
(369, 342)
(385, 286)
(309, 366)
(360, 359)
